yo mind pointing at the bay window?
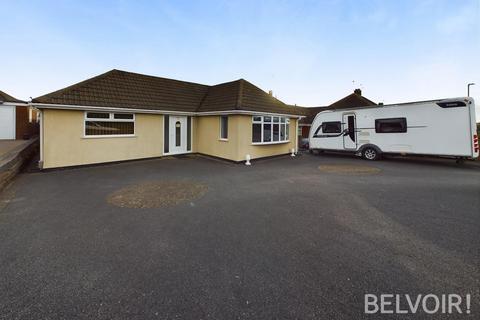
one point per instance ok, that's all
(270, 129)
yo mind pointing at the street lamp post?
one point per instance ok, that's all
(468, 88)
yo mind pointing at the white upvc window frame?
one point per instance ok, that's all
(282, 122)
(111, 118)
(221, 127)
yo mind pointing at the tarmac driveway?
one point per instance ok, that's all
(281, 239)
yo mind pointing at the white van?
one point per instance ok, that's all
(439, 127)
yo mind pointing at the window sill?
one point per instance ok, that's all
(110, 136)
(224, 140)
(267, 143)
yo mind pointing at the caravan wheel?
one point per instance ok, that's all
(370, 153)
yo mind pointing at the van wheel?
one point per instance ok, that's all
(370, 154)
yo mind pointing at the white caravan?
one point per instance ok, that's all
(440, 127)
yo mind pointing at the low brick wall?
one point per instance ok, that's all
(15, 160)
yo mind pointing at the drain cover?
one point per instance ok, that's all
(155, 194)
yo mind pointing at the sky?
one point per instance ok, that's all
(310, 53)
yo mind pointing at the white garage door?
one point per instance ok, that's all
(7, 122)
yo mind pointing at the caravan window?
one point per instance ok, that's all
(391, 125)
(332, 127)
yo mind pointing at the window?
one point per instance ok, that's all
(123, 116)
(282, 129)
(451, 104)
(257, 132)
(109, 124)
(98, 115)
(166, 133)
(267, 129)
(332, 127)
(189, 133)
(287, 126)
(276, 129)
(391, 125)
(351, 127)
(224, 127)
(178, 134)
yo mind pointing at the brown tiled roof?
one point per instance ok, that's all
(123, 89)
(253, 98)
(353, 100)
(8, 98)
(221, 97)
(311, 113)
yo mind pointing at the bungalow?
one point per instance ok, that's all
(17, 119)
(354, 99)
(121, 115)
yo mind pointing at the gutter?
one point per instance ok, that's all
(106, 109)
(15, 104)
(135, 110)
(246, 112)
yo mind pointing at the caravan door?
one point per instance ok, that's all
(349, 131)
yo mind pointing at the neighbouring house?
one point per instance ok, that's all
(351, 101)
(18, 120)
(122, 115)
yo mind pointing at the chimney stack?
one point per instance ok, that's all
(357, 91)
(270, 93)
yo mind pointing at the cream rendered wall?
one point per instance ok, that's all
(239, 144)
(207, 137)
(64, 144)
